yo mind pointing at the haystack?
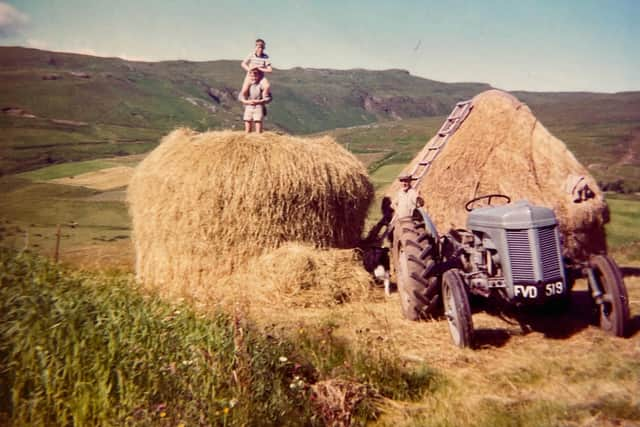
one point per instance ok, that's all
(502, 148)
(202, 204)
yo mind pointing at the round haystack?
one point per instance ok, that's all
(202, 204)
(502, 148)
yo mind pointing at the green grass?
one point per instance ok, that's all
(65, 170)
(386, 174)
(35, 209)
(623, 231)
(88, 350)
(624, 227)
(82, 349)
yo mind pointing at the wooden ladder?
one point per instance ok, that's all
(448, 128)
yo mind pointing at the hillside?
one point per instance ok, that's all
(60, 107)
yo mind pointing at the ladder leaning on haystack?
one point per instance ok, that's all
(436, 144)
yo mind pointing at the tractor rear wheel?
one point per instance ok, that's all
(457, 309)
(614, 308)
(415, 255)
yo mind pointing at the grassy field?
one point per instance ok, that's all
(623, 232)
(124, 107)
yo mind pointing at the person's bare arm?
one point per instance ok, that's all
(266, 69)
(245, 101)
(245, 64)
(261, 101)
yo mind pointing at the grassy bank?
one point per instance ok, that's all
(80, 349)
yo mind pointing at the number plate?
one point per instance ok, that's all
(555, 288)
(533, 291)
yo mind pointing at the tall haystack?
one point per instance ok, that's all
(502, 148)
(202, 204)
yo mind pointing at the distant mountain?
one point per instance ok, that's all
(61, 107)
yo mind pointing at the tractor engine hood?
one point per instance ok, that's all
(518, 215)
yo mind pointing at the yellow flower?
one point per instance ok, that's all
(225, 410)
(180, 425)
(163, 414)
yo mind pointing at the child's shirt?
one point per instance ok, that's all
(253, 61)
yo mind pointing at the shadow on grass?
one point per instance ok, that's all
(554, 321)
(630, 271)
(490, 338)
(562, 322)
(634, 326)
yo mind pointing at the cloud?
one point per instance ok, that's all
(12, 21)
(37, 44)
(40, 44)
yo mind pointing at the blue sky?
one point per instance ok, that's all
(532, 45)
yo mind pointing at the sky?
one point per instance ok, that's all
(537, 45)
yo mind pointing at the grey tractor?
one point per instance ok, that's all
(511, 252)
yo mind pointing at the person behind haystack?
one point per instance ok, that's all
(254, 101)
(407, 199)
(375, 255)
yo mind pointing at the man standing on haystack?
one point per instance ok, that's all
(407, 199)
(254, 101)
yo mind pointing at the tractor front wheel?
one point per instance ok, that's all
(614, 302)
(457, 309)
(414, 257)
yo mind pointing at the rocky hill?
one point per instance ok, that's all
(57, 107)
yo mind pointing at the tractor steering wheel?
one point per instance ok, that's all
(469, 205)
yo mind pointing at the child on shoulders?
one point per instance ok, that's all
(258, 59)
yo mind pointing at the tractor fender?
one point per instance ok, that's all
(428, 224)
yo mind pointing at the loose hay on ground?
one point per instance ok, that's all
(295, 276)
(203, 204)
(502, 148)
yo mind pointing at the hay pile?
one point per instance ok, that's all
(301, 276)
(502, 148)
(202, 204)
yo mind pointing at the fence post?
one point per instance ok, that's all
(26, 240)
(56, 255)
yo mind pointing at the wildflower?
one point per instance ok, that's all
(181, 425)
(282, 359)
(225, 410)
(233, 402)
(163, 414)
(301, 331)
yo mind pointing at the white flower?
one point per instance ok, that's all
(283, 359)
